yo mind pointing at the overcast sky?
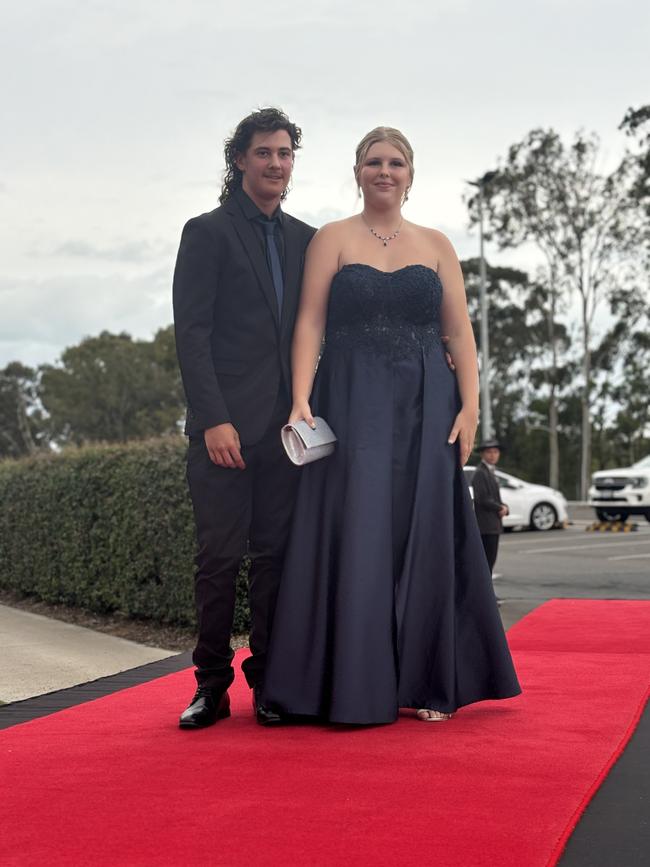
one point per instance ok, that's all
(113, 117)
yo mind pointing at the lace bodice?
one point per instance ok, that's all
(394, 314)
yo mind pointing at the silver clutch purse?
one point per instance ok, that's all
(304, 444)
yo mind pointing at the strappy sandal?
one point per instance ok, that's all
(428, 715)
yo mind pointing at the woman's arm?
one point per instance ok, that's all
(321, 264)
(456, 324)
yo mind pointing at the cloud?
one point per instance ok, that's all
(42, 317)
(320, 217)
(125, 251)
(117, 153)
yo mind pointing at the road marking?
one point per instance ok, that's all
(629, 557)
(571, 532)
(622, 543)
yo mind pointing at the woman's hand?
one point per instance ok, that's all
(464, 430)
(299, 411)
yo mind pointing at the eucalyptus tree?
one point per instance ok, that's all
(554, 195)
(526, 366)
(622, 368)
(21, 422)
(636, 125)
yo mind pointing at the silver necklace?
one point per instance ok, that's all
(385, 238)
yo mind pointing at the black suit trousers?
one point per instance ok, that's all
(238, 512)
(491, 546)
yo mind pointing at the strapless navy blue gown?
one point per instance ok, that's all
(386, 599)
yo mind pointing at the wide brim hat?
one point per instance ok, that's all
(489, 444)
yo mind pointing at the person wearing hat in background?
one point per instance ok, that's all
(490, 511)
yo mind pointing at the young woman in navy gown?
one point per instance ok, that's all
(386, 600)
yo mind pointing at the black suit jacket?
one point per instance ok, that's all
(487, 501)
(233, 344)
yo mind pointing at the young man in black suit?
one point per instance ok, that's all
(490, 511)
(236, 290)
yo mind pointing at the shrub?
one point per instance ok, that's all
(107, 528)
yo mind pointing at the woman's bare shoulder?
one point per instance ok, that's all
(436, 242)
(331, 235)
(434, 236)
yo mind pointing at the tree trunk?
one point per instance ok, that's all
(553, 443)
(23, 424)
(585, 460)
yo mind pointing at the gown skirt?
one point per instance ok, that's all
(386, 598)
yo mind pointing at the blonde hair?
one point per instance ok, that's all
(392, 136)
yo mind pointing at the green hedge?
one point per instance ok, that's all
(106, 528)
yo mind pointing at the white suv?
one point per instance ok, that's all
(616, 494)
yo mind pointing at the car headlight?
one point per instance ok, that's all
(639, 482)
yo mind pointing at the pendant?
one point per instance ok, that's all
(385, 238)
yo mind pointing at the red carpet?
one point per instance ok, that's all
(114, 782)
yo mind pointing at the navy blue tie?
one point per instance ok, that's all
(273, 257)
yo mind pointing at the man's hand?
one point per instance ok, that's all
(503, 511)
(450, 360)
(464, 430)
(224, 448)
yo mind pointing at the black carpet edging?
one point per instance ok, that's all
(17, 712)
(614, 830)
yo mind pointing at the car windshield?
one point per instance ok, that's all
(643, 464)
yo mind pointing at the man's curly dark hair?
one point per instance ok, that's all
(264, 120)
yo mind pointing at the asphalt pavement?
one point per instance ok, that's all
(574, 562)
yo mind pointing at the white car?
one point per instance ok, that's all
(616, 494)
(534, 506)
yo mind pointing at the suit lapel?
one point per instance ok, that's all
(254, 251)
(292, 271)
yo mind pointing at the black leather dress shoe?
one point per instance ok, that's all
(264, 715)
(207, 706)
